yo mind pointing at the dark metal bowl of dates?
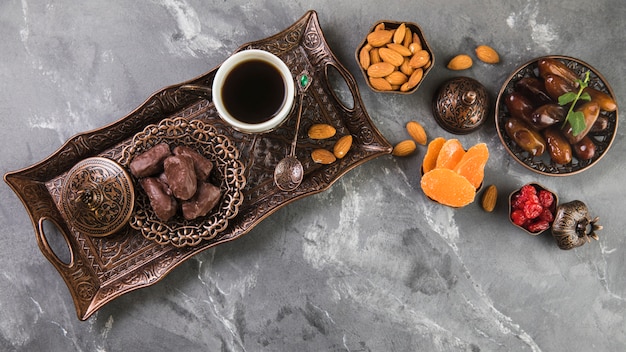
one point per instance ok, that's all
(547, 133)
(189, 181)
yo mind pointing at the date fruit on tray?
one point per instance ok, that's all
(170, 179)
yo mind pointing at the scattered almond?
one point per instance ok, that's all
(487, 54)
(417, 132)
(489, 199)
(404, 148)
(342, 146)
(321, 131)
(323, 156)
(460, 62)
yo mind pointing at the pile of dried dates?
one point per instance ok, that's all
(174, 179)
(538, 122)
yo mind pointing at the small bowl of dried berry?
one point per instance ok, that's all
(532, 208)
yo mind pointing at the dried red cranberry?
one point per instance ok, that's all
(518, 201)
(532, 210)
(546, 198)
(528, 190)
(518, 218)
(538, 226)
(546, 215)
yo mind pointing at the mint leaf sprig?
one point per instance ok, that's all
(576, 119)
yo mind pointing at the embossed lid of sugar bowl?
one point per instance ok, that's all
(97, 196)
(461, 105)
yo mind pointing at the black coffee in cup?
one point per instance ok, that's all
(253, 91)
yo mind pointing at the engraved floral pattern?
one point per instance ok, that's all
(100, 196)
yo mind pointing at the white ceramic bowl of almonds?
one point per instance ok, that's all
(394, 57)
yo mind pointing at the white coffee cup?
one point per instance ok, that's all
(253, 91)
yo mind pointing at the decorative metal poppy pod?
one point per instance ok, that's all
(461, 105)
(97, 197)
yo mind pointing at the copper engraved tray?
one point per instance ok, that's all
(104, 268)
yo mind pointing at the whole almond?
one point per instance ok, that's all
(374, 57)
(490, 198)
(404, 148)
(380, 69)
(415, 78)
(408, 37)
(405, 87)
(400, 49)
(391, 56)
(380, 83)
(321, 131)
(419, 59)
(380, 26)
(460, 62)
(396, 78)
(417, 132)
(398, 35)
(380, 38)
(364, 57)
(406, 68)
(487, 54)
(342, 146)
(323, 156)
(415, 47)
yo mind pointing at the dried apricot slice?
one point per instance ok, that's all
(472, 164)
(448, 188)
(430, 158)
(450, 154)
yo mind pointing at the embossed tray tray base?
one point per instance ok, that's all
(104, 268)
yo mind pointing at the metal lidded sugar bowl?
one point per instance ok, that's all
(461, 105)
(97, 197)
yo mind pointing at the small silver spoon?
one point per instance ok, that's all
(289, 172)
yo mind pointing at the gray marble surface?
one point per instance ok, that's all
(370, 264)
